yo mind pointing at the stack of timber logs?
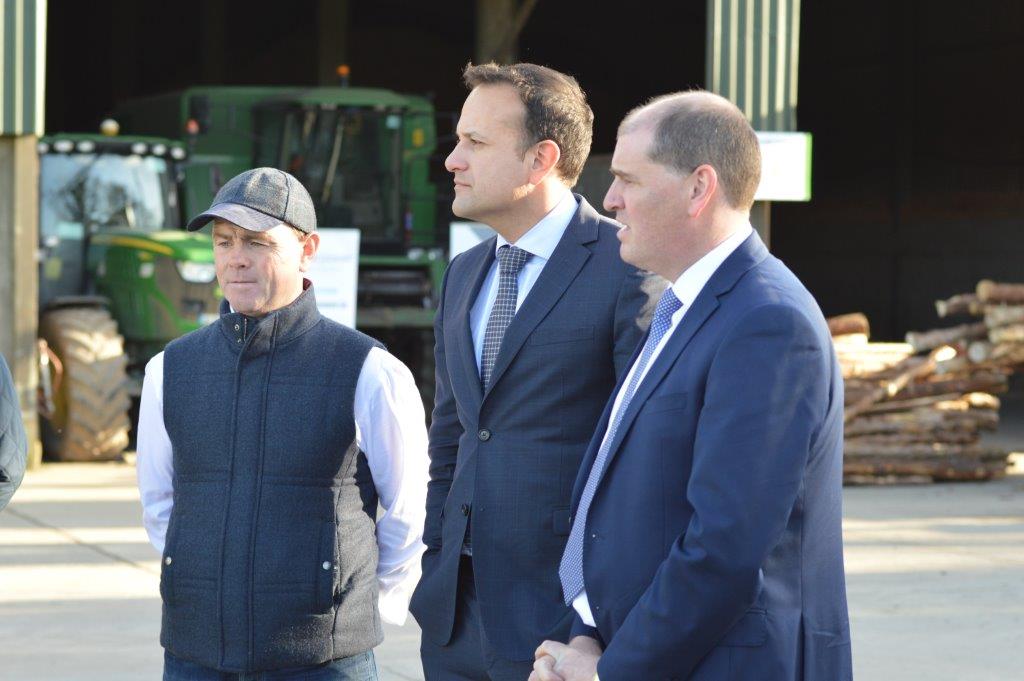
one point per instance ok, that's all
(915, 411)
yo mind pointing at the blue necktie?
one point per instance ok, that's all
(510, 260)
(571, 569)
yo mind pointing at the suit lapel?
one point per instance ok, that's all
(565, 263)
(694, 318)
(477, 274)
(751, 252)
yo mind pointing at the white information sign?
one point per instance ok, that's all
(335, 273)
(462, 236)
(785, 166)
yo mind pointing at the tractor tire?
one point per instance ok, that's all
(90, 419)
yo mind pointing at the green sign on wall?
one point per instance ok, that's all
(22, 66)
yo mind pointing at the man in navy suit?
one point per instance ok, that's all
(532, 330)
(706, 541)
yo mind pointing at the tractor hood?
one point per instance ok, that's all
(174, 244)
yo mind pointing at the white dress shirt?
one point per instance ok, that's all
(687, 287)
(391, 431)
(540, 241)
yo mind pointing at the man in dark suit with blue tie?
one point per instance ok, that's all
(533, 328)
(706, 541)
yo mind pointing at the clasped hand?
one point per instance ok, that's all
(576, 661)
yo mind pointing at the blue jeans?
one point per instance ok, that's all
(361, 667)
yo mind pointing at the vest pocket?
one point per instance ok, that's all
(327, 570)
(166, 589)
(167, 567)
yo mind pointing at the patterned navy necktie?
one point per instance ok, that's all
(510, 261)
(571, 569)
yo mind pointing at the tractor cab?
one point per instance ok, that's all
(350, 160)
(89, 185)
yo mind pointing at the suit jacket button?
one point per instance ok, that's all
(465, 509)
(484, 435)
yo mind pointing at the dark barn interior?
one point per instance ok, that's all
(917, 178)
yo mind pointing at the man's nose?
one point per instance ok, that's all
(454, 162)
(237, 257)
(613, 199)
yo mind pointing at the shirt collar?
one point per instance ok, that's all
(689, 284)
(543, 237)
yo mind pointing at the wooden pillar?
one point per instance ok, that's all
(498, 25)
(493, 19)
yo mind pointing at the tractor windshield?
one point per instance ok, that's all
(349, 158)
(86, 193)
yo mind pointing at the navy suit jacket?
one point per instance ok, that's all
(713, 544)
(507, 458)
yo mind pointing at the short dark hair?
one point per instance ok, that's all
(696, 127)
(556, 109)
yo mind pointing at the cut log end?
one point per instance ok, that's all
(853, 323)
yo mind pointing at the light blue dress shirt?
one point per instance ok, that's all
(540, 241)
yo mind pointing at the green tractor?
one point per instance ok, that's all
(365, 156)
(119, 278)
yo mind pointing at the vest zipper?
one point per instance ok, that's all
(259, 492)
(231, 478)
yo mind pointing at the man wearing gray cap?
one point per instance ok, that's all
(266, 441)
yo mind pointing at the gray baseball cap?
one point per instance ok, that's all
(261, 199)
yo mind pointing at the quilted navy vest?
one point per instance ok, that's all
(271, 556)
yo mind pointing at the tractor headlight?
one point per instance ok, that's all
(196, 272)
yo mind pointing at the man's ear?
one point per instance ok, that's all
(309, 248)
(701, 187)
(543, 157)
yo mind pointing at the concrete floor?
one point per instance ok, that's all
(935, 577)
(935, 581)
